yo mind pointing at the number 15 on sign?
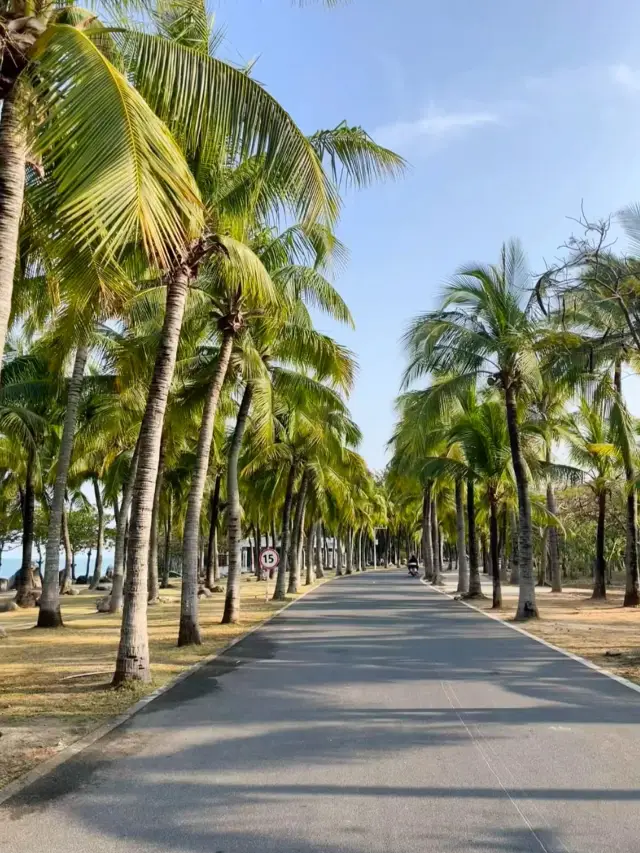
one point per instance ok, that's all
(269, 560)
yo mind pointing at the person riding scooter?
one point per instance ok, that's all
(412, 565)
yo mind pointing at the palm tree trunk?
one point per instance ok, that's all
(166, 567)
(132, 662)
(25, 594)
(527, 607)
(69, 556)
(212, 550)
(337, 551)
(301, 548)
(542, 568)
(436, 579)
(427, 549)
(189, 632)
(463, 568)
(485, 555)
(280, 592)
(503, 548)
(97, 570)
(493, 538)
(155, 524)
(13, 152)
(319, 551)
(553, 544)
(475, 584)
(298, 521)
(258, 547)
(117, 586)
(514, 562)
(632, 584)
(309, 577)
(350, 551)
(600, 579)
(49, 615)
(234, 512)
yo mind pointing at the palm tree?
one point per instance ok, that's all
(483, 436)
(547, 415)
(234, 510)
(486, 329)
(237, 287)
(601, 308)
(261, 125)
(58, 59)
(27, 404)
(591, 449)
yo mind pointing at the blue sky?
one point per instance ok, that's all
(510, 113)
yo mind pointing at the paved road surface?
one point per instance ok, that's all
(374, 716)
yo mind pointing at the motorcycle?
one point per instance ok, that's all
(413, 571)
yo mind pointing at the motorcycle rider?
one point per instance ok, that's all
(412, 565)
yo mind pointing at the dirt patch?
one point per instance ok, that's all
(603, 632)
(55, 685)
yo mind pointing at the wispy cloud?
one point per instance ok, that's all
(558, 93)
(625, 76)
(435, 126)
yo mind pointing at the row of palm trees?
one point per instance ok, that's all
(166, 234)
(521, 374)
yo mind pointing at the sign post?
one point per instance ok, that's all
(269, 561)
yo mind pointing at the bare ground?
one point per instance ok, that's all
(55, 685)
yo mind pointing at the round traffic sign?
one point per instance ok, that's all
(269, 558)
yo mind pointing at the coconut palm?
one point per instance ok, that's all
(482, 434)
(308, 419)
(598, 318)
(592, 450)
(69, 112)
(27, 402)
(302, 179)
(486, 331)
(548, 415)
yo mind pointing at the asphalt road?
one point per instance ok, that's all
(375, 715)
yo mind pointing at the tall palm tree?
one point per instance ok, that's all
(484, 438)
(239, 287)
(548, 414)
(486, 330)
(598, 316)
(592, 450)
(254, 122)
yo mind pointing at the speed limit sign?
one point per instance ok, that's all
(269, 559)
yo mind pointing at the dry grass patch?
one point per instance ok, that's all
(605, 633)
(55, 685)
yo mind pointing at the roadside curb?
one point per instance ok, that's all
(619, 678)
(89, 739)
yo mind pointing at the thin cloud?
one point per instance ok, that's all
(626, 77)
(434, 126)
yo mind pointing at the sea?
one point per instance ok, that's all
(12, 559)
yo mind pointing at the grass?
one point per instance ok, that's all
(55, 685)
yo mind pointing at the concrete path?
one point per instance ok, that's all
(374, 716)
